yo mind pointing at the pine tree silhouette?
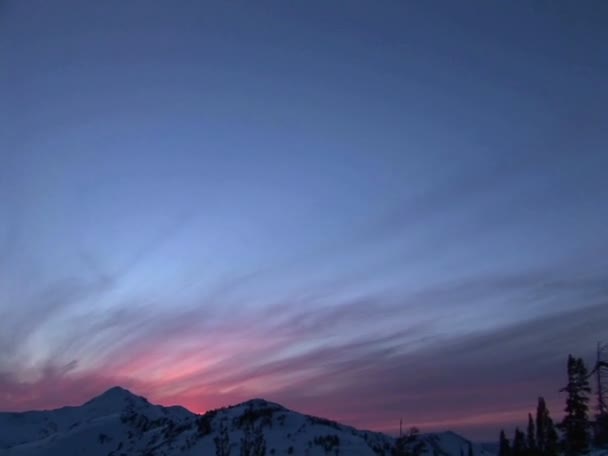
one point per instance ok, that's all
(541, 424)
(408, 444)
(531, 437)
(222, 441)
(253, 442)
(504, 448)
(575, 425)
(601, 430)
(519, 443)
(552, 439)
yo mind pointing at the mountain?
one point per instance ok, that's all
(119, 423)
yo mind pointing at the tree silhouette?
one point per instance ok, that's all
(409, 444)
(541, 424)
(519, 443)
(531, 437)
(222, 441)
(575, 425)
(601, 430)
(253, 442)
(504, 448)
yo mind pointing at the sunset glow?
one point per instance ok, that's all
(366, 212)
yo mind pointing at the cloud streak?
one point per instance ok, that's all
(421, 370)
(373, 220)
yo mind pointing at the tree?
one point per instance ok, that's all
(408, 444)
(470, 452)
(600, 428)
(575, 424)
(253, 442)
(531, 437)
(541, 423)
(222, 441)
(551, 438)
(544, 441)
(504, 445)
(519, 443)
(600, 437)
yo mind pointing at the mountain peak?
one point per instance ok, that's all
(117, 418)
(117, 390)
(115, 396)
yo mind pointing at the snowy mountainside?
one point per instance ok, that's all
(119, 423)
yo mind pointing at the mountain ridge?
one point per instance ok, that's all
(120, 423)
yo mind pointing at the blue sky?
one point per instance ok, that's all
(206, 201)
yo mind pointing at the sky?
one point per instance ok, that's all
(361, 210)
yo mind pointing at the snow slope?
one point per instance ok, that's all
(119, 423)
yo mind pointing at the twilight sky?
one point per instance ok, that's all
(361, 210)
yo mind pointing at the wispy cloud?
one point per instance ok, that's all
(300, 356)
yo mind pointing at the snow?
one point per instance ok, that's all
(118, 423)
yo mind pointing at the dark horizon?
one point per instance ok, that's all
(361, 211)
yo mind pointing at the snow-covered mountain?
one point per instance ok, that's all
(119, 423)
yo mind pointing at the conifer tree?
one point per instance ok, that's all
(409, 444)
(222, 441)
(546, 436)
(504, 447)
(519, 443)
(601, 430)
(541, 424)
(253, 442)
(575, 424)
(531, 437)
(551, 439)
